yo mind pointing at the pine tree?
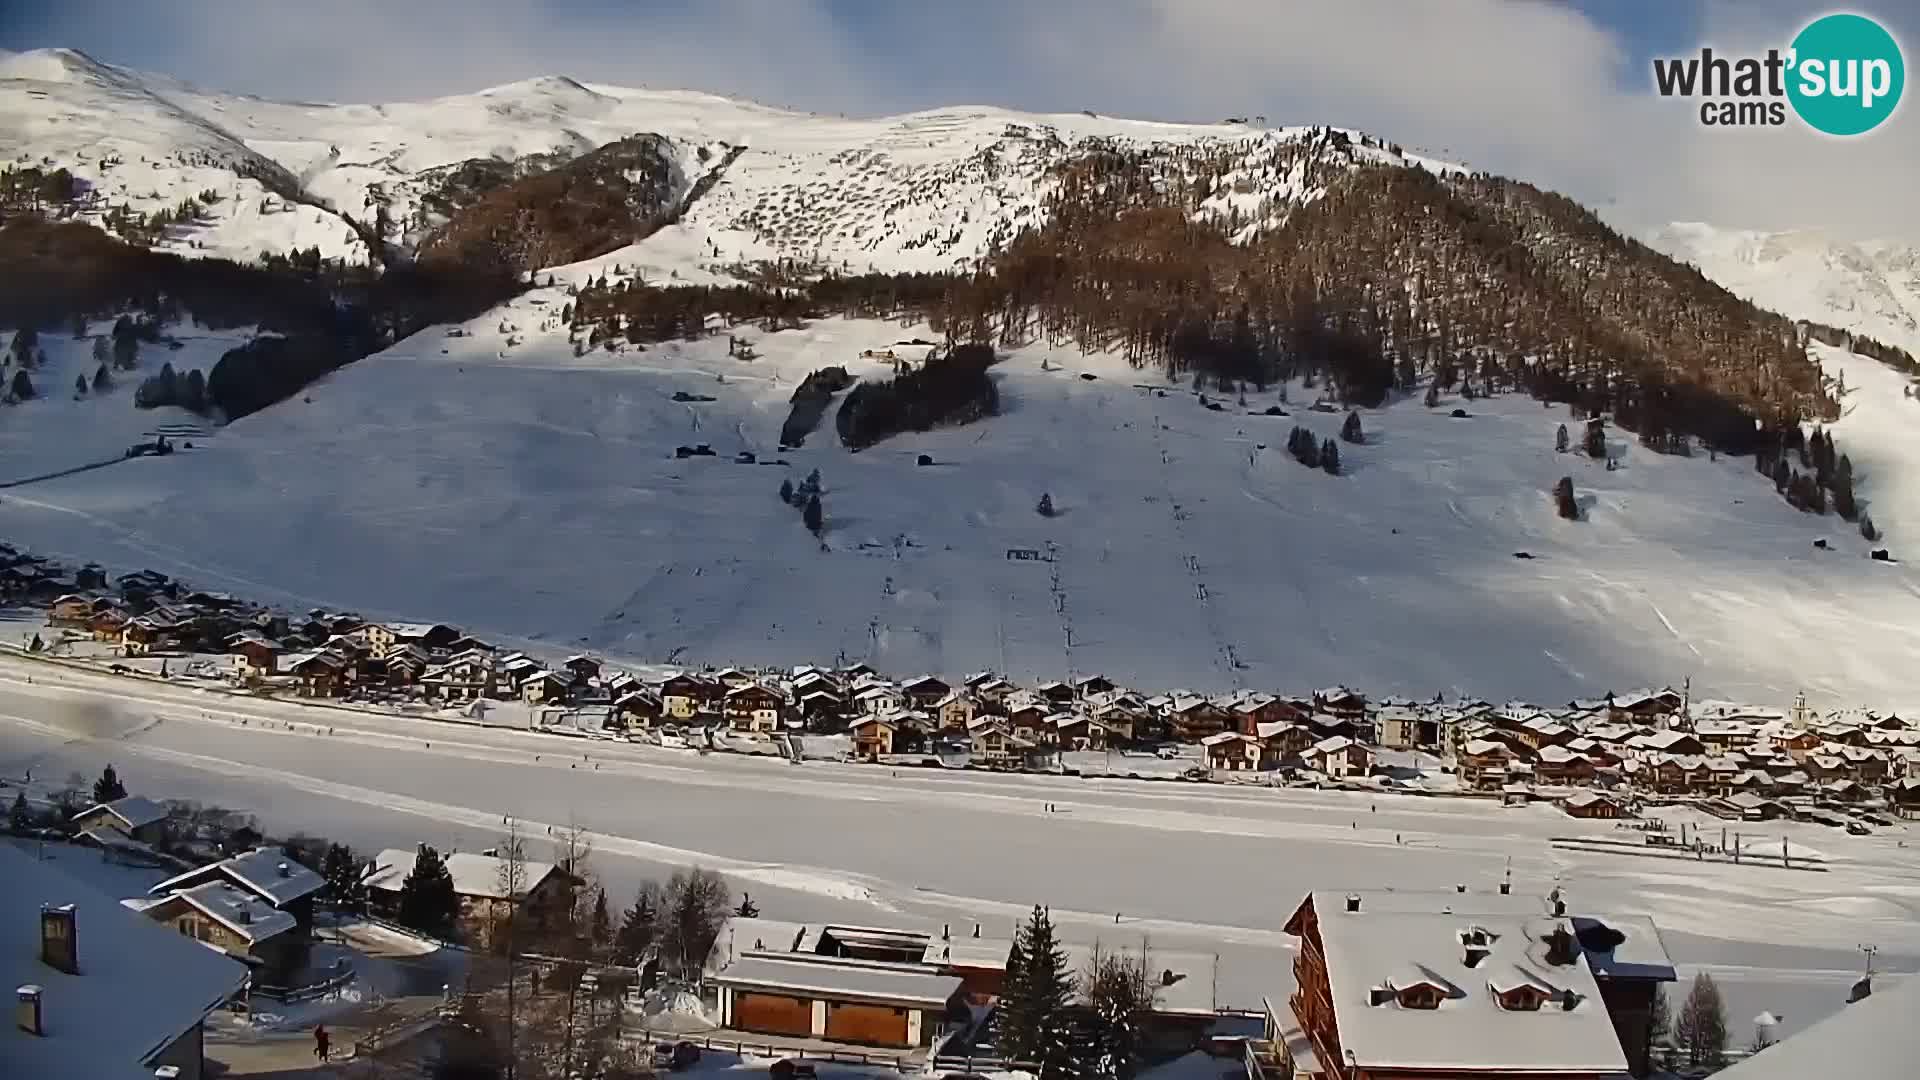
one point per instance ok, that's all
(1596, 439)
(1867, 529)
(22, 386)
(20, 817)
(747, 909)
(1659, 1024)
(600, 923)
(1039, 1029)
(639, 926)
(1564, 501)
(1045, 508)
(101, 380)
(79, 386)
(346, 886)
(1560, 440)
(1330, 457)
(1700, 1032)
(786, 492)
(427, 900)
(108, 787)
(102, 352)
(812, 515)
(1350, 431)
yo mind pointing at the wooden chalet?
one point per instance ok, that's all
(752, 707)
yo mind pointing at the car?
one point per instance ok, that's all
(1858, 828)
(675, 1055)
(791, 1069)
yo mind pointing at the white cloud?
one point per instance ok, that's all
(1529, 89)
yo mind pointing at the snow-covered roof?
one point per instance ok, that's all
(141, 984)
(238, 910)
(134, 810)
(740, 934)
(1220, 737)
(1479, 747)
(1370, 949)
(1333, 744)
(893, 984)
(473, 875)
(1872, 1039)
(267, 872)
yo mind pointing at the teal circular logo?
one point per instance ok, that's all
(1847, 74)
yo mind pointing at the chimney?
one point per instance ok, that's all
(1559, 907)
(946, 931)
(246, 916)
(284, 872)
(1459, 888)
(1560, 951)
(1475, 954)
(58, 948)
(976, 929)
(27, 1011)
(1353, 901)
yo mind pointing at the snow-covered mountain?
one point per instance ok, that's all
(1869, 288)
(921, 192)
(498, 475)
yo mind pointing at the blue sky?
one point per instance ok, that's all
(1555, 91)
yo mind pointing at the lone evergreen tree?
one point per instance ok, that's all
(1867, 529)
(811, 515)
(427, 899)
(346, 885)
(1659, 1025)
(101, 380)
(1036, 1027)
(1700, 1032)
(1330, 457)
(22, 386)
(1350, 431)
(20, 817)
(639, 926)
(1560, 440)
(1045, 508)
(1596, 439)
(786, 492)
(600, 923)
(79, 386)
(108, 787)
(1563, 499)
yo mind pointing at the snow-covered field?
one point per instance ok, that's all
(1213, 868)
(528, 494)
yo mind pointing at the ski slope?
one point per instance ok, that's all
(520, 491)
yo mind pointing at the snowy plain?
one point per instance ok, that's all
(1214, 868)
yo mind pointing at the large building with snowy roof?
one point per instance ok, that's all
(101, 992)
(1397, 985)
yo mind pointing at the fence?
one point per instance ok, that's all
(295, 994)
(902, 1061)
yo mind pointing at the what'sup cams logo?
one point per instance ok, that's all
(1842, 75)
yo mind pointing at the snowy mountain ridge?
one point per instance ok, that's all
(925, 191)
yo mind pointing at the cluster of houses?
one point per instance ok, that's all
(1753, 763)
(1655, 743)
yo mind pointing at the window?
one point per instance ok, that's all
(1420, 997)
(1521, 999)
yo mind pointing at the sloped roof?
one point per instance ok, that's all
(240, 911)
(1469, 1030)
(1872, 1039)
(141, 984)
(473, 875)
(266, 872)
(839, 979)
(134, 810)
